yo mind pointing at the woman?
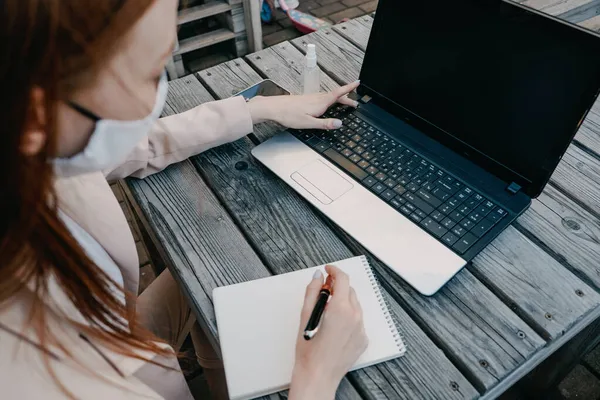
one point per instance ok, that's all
(83, 86)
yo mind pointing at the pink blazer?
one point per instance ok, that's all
(89, 201)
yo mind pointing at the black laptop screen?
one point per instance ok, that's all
(502, 85)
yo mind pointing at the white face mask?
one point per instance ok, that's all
(112, 141)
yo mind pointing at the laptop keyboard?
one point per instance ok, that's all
(452, 212)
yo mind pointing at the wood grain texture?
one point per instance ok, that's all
(589, 132)
(406, 374)
(338, 57)
(184, 94)
(366, 20)
(581, 12)
(569, 232)
(555, 7)
(478, 332)
(592, 24)
(540, 289)
(574, 11)
(205, 248)
(355, 31)
(229, 78)
(289, 235)
(578, 173)
(552, 371)
(284, 64)
(445, 315)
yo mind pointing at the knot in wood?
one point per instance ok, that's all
(571, 224)
(579, 292)
(208, 74)
(241, 165)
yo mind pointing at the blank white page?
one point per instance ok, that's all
(258, 324)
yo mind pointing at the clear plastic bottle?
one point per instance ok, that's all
(312, 73)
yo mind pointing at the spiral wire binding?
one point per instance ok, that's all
(391, 321)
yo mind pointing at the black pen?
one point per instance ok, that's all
(315, 317)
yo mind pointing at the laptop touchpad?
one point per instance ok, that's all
(322, 182)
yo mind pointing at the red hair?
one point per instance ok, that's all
(56, 47)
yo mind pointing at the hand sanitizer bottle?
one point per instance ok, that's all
(312, 74)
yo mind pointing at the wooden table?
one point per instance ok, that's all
(222, 218)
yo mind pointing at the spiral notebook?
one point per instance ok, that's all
(258, 323)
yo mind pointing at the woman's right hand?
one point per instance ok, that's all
(322, 362)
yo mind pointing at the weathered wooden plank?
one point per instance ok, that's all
(366, 20)
(289, 235)
(474, 327)
(204, 246)
(184, 94)
(582, 12)
(555, 7)
(540, 289)
(552, 371)
(589, 132)
(592, 24)
(338, 57)
(355, 31)
(229, 78)
(575, 11)
(284, 64)
(494, 342)
(578, 173)
(566, 230)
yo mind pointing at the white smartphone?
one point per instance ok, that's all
(263, 88)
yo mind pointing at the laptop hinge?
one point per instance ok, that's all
(365, 99)
(513, 188)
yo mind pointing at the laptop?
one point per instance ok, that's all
(466, 108)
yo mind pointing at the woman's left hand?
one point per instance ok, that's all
(301, 112)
